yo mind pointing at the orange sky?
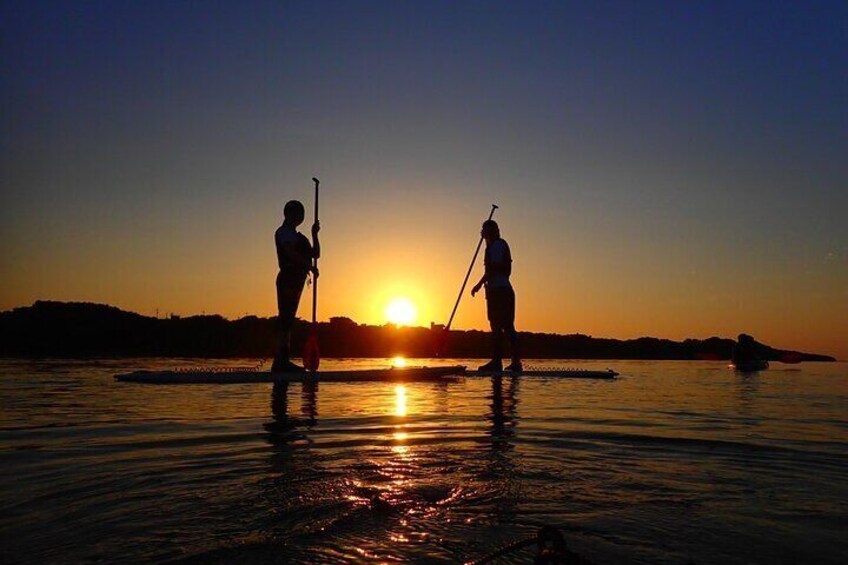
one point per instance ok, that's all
(567, 280)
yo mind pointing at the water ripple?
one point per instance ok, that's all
(672, 463)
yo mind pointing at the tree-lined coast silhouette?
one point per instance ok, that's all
(80, 330)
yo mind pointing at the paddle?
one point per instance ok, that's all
(442, 343)
(311, 355)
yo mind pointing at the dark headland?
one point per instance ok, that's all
(78, 329)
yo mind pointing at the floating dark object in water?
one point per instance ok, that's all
(751, 366)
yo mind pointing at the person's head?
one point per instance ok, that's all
(490, 230)
(293, 213)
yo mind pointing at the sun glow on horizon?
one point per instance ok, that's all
(399, 361)
(401, 311)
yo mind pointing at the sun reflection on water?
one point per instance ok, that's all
(400, 448)
(399, 435)
(400, 401)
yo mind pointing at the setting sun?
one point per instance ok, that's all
(399, 361)
(401, 311)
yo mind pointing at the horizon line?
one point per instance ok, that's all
(433, 325)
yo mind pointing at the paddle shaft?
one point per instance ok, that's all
(315, 262)
(468, 274)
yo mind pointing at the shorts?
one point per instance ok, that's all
(500, 305)
(288, 298)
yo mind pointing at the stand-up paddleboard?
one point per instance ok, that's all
(549, 372)
(245, 375)
(241, 375)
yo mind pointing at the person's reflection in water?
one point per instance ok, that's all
(748, 390)
(502, 415)
(282, 429)
(295, 482)
(501, 468)
(309, 403)
(281, 423)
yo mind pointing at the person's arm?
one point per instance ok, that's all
(480, 284)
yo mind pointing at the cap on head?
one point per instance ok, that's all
(491, 229)
(294, 211)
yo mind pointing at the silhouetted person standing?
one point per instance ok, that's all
(294, 257)
(500, 297)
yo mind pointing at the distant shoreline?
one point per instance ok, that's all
(74, 330)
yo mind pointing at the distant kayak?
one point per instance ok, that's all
(751, 366)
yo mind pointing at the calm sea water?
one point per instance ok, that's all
(674, 462)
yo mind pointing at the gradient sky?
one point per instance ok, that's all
(673, 169)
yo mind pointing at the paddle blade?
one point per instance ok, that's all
(311, 355)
